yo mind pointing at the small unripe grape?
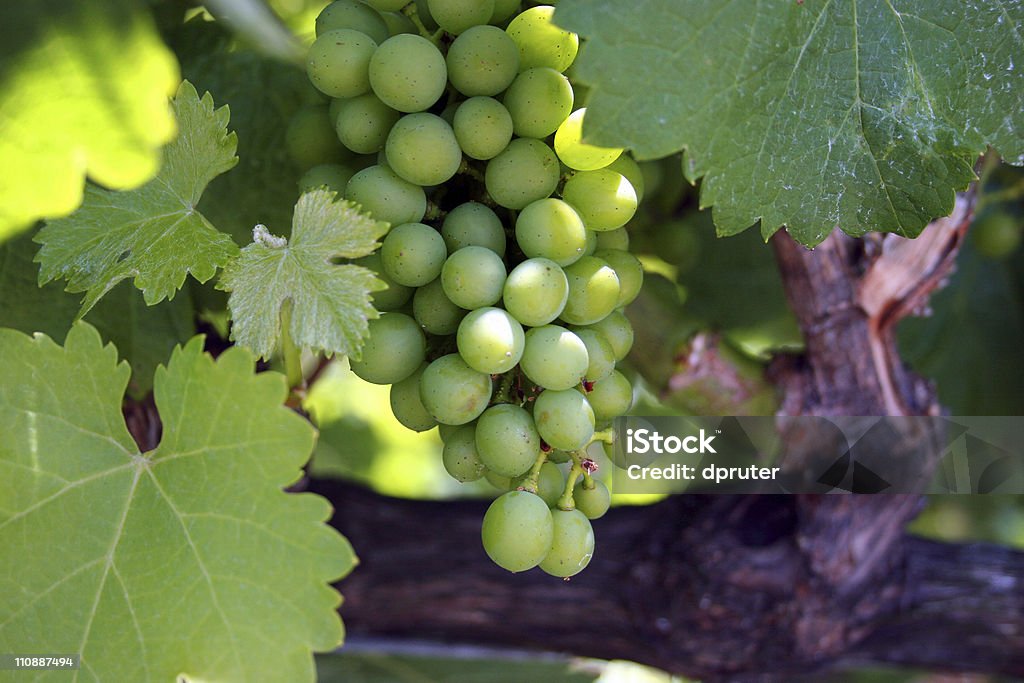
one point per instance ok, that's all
(572, 544)
(536, 291)
(392, 298)
(393, 350)
(577, 154)
(453, 392)
(564, 419)
(507, 440)
(473, 225)
(483, 127)
(460, 457)
(628, 269)
(541, 42)
(387, 197)
(550, 228)
(363, 123)
(538, 101)
(554, 358)
(517, 531)
(407, 406)
(604, 199)
(611, 396)
(455, 16)
(407, 72)
(490, 340)
(482, 61)
(350, 14)
(339, 61)
(413, 253)
(593, 502)
(526, 171)
(473, 277)
(593, 291)
(550, 483)
(422, 149)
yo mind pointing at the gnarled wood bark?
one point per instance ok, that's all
(730, 587)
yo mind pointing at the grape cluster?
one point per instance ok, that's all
(507, 263)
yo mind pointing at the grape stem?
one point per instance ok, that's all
(504, 392)
(605, 435)
(291, 354)
(566, 501)
(533, 480)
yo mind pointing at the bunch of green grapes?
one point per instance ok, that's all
(507, 262)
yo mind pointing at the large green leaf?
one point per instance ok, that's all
(153, 234)
(329, 305)
(144, 335)
(188, 559)
(83, 90)
(861, 114)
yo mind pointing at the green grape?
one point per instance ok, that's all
(600, 355)
(613, 239)
(310, 139)
(538, 101)
(393, 350)
(399, 23)
(507, 440)
(490, 340)
(604, 199)
(455, 16)
(473, 277)
(339, 61)
(536, 291)
(551, 229)
(446, 431)
(591, 243)
(473, 225)
(572, 544)
(503, 10)
(453, 392)
(577, 154)
(617, 330)
(459, 456)
(564, 419)
(407, 73)
(629, 168)
(517, 531)
(392, 298)
(526, 171)
(483, 127)
(996, 233)
(611, 396)
(387, 5)
(422, 149)
(497, 481)
(332, 176)
(407, 406)
(363, 123)
(482, 61)
(593, 291)
(550, 483)
(593, 502)
(628, 269)
(379, 191)
(540, 42)
(434, 311)
(554, 358)
(412, 254)
(352, 15)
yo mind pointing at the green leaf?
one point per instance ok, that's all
(145, 335)
(263, 94)
(154, 233)
(188, 559)
(865, 115)
(83, 90)
(329, 304)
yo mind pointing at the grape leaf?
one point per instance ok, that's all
(865, 115)
(83, 89)
(329, 304)
(145, 335)
(154, 233)
(263, 94)
(188, 559)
